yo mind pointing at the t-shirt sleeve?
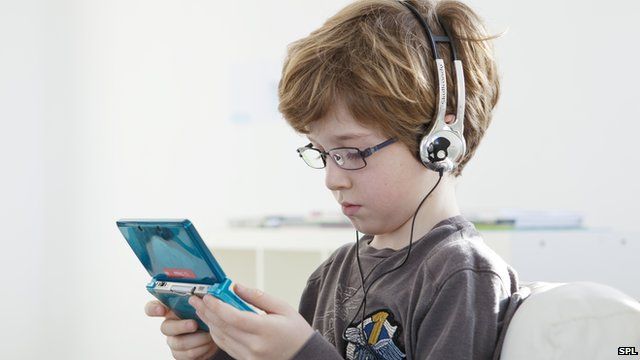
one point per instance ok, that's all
(311, 292)
(316, 347)
(221, 355)
(309, 299)
(462, 321)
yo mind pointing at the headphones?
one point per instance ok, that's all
(441, 150)
(443, 147)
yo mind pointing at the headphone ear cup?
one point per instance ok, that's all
(441, 150)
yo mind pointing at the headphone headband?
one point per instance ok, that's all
(444, 146)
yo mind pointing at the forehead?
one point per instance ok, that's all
(338, 124)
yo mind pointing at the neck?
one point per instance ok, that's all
(440, 205)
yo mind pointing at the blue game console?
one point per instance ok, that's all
(180, 264)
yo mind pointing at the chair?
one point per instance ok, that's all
(580, 320)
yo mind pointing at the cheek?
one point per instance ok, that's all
(393, 194)
(391, 190)
(387, 210)
(400, 180)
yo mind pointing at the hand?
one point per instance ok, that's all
(185, 342)
(277, 334)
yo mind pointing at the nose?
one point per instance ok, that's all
(336, 178)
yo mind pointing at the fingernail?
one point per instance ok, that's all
(157, 310)
(191, 325)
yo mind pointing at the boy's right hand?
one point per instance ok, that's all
(185, 340)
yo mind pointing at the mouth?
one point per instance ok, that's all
(350, 209)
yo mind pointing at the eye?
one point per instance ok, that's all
(352, 155)
(338, 158)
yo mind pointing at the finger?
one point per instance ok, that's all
(224, 330)
(201, 352)
(230, 341)
(189, 341)
(215, 323)
(241, 337)
(243, 320)
(156, 309)
(171, 327)
(262, 300)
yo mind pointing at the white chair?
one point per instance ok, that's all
(567, 321)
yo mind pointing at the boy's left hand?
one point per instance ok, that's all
(277, 334)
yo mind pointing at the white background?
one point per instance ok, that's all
(113, 109)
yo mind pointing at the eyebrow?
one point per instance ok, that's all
(344, 137)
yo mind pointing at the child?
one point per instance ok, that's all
(421, 284)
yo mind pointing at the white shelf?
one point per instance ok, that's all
(303, 238)
(326, 240)
(279, 260)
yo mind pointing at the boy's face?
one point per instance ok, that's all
(387, 190)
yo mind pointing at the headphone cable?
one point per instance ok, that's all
(363, 279)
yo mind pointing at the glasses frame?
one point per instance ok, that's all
(363, 153)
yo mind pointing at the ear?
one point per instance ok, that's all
(449, 118)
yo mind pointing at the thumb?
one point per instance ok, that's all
(261, 300)
(157, 309)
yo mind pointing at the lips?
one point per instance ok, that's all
(350, 209)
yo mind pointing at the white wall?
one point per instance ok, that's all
(123, 109)
(565, 129)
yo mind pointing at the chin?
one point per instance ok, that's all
(366, 227)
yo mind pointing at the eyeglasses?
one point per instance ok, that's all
(348, 158)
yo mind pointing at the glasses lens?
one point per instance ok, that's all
(312, 157)
(347, 158)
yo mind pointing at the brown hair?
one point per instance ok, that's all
(374, 57)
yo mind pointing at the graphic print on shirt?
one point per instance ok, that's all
(383, 333)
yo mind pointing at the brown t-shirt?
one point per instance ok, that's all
(450, 300)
